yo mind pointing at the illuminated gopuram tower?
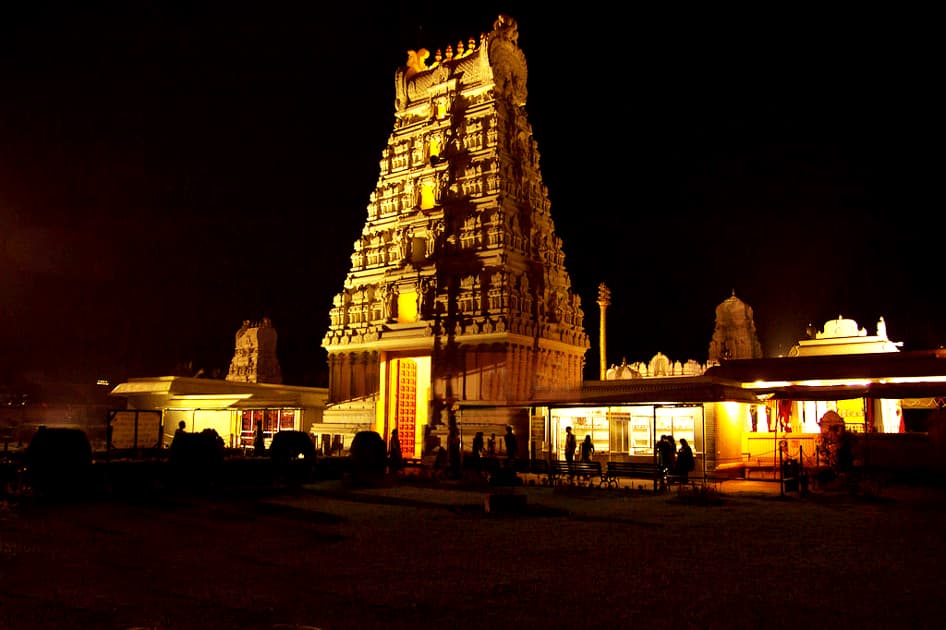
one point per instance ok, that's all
(458, 311)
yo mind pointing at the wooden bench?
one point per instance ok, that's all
(698, 481)
(539, 466)
(577, 473)
(634, 470)
(540, 469)
(765, 464)
(679, 481)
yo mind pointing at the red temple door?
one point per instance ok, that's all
(405, 418)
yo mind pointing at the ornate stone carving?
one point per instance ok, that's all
(450, 230)
(254, 356)
(734, 335)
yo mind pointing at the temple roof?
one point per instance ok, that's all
(876, 375)
(686, 389)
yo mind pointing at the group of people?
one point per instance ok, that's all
(669, 458)
(673, 461)
(482, 447)
(571, 445)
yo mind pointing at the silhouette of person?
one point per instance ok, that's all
(671, 454)
(476, 455)
(453, 454)
(440, 462)
(587, 449)
(845, 456)
(665, 453)
(491, 445)
(570, 445)
(396, 457)
(478, 445)
(181, 428)
(512, 446)
(685, 461)
(259, 443)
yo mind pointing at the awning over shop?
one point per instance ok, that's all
(838, 377)
(678, 389)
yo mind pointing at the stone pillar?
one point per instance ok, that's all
(604, 301)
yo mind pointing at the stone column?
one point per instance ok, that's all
(604, 301)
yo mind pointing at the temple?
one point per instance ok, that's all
(842, 336)
(254, 355)
(734, 335)
(457, 316)
(458, 296)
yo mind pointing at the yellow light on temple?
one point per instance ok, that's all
(407, 306)
(427, 196)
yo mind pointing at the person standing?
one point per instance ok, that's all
(478, 445)
(665, 453)
(477, 450)
(491, 445)
(685, 461)
(259, 441)
(454, 453)
(665, 458)
(671, 454)
(395, 457)
(570, 445)
(512, 446)
(587, 449)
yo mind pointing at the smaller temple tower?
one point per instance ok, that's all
(734, 336)
(254, 358)
(843, 336)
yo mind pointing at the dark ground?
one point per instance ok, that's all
(413, 556)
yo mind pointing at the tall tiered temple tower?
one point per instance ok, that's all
(458, 308)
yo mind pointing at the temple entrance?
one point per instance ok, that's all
(407, 395)
(405, 410)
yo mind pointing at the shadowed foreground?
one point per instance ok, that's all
(330, 556)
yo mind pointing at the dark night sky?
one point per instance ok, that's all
(167, 173)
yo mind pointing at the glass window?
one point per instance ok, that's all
(287, 419)
(271, 421)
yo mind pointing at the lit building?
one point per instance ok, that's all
(842, 336)
(458, 316)
(839, 377)
(839, 338)
(458, 301)
(251, 394)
